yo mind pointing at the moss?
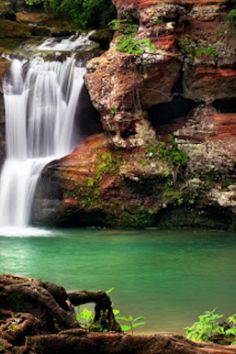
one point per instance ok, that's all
(41, 31)
(89, 192)
(139, 218)
(11, 29)
(6, 11)
(13, 327)
(203, 218)
(9, 44)
(198, 49)
(232, 19)
(168, 151)
(206, 51)
(2, 347)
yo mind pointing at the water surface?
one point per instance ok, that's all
(168, 277)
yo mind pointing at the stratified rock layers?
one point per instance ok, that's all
(168, 153)
(135, 174)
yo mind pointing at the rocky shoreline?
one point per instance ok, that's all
(39, 317)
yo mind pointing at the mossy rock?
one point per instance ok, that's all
(103, 37)
(10, 29)
(9, 45)
(6, 11)
(41, 31)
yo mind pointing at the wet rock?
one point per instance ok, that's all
(7, 11)
(103, 37)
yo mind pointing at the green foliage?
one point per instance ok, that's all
(168, 151)
(232, 18)
(124, 26)
(206, 52)
(2, 347)
(130, 323)
(159, 21)
(113, 111)
(210, 329)
(86, 318)
(186, 46)
(84, 13)
(128, 44)
(189, 48)
(34, 2)
(105, 164)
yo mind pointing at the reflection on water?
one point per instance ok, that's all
(168, 277)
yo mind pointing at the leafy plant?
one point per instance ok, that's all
(205, 328)
(86, 318)
(124, 26)
(168, 151)
(210, 329)
(206, 51)
(113, 111)
(186, 46)
(128, 44)
(232, 18)
(192, 49)
(130, 322)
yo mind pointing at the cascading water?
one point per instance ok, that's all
(40, 104)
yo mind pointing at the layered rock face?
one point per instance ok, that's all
(137, 174)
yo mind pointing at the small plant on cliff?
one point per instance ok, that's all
(105, 164)
(209, 328)
(232, 19)
(186, 46)
(193, 49)
(168, 151)
(209, 51)
(124, 26)
(128, 44)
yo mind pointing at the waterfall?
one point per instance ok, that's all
(40, 105)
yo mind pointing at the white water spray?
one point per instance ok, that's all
(40, 103)
(73, 43)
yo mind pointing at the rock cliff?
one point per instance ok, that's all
(168, 153)
(166, 95)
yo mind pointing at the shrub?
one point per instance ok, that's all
(130, 45)
(124, 26)
(168, 151)
(210, 329)
(206, 52)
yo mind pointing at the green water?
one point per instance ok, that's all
(168, 277)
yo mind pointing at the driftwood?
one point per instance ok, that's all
(38, 317)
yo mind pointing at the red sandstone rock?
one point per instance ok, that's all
(209, 83)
